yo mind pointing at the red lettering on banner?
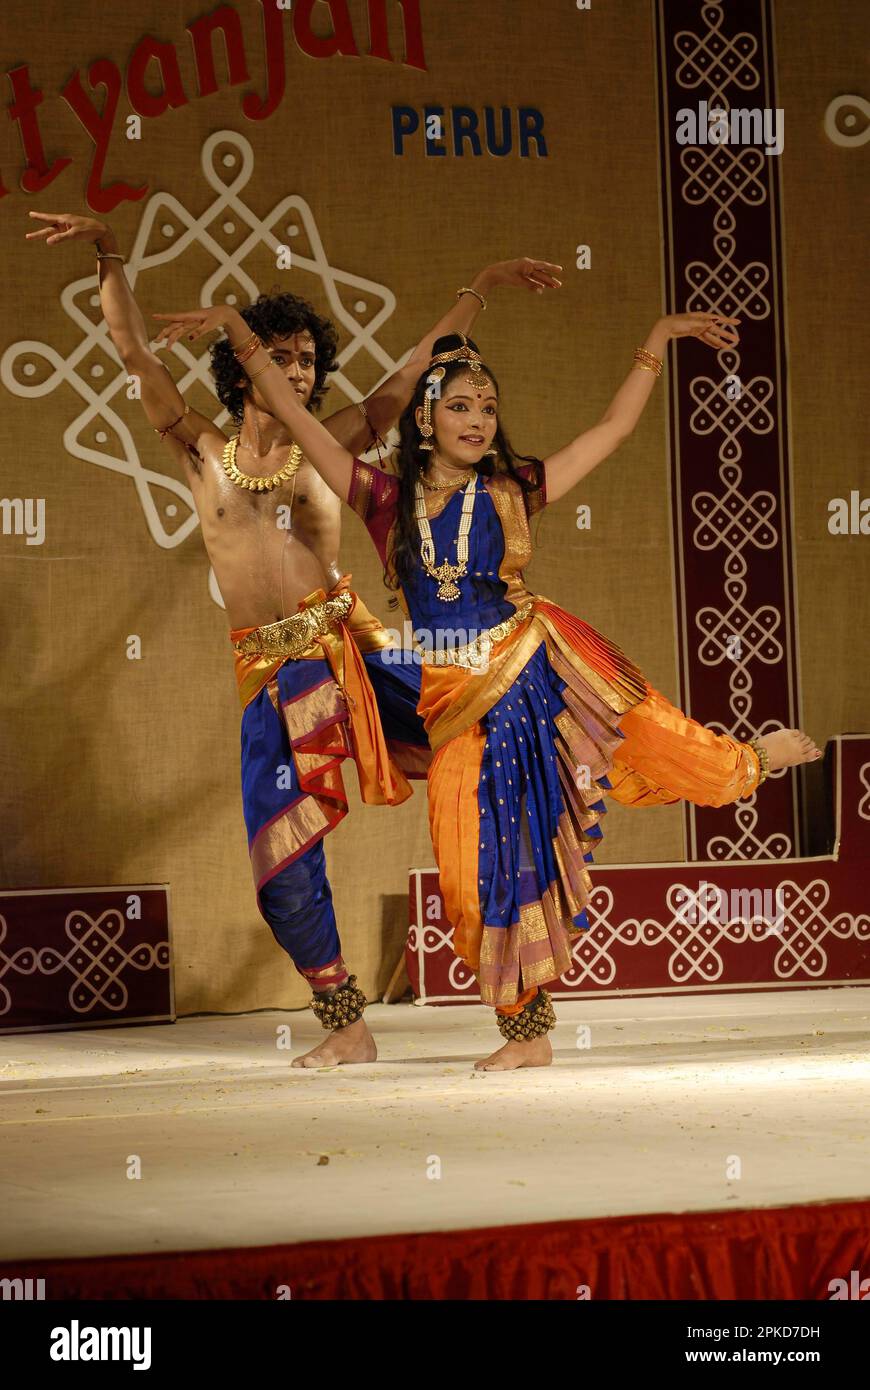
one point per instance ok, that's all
(273, 37)
(201, 31)
(341, 39)
(38, 173)
(102, 73)
(145, 102)
(379, 44)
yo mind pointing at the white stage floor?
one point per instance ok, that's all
(238, 1149)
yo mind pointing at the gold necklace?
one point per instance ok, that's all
(247, 480)
(446, 574)
(443, 487)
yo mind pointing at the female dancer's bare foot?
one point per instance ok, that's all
(788, 748)
(535, 1053)
(351, 1044)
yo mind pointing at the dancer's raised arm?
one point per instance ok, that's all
(161, 400)
(522, 273)
(565, 468)
(333, 462)
(383, 407)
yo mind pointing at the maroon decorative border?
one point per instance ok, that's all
(736, 620)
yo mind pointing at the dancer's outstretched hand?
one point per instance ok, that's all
(66, 226)
(523, 273)
(710, 328)
(193, 323)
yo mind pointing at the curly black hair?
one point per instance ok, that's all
(275, 316)
(411, 461)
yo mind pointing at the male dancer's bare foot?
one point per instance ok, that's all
(535, 1053)
(351, 1044)
(788, 748)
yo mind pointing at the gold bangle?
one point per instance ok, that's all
(645, 367)
(247, 348)
(111, 256)
(253, 375)
(248, 351)
(466, 289)
(648, 361)
(645, 355)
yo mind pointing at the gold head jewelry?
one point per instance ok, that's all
(477, 377)
(248, 480)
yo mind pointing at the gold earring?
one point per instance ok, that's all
(491, 453)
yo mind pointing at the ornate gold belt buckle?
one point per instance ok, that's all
(294, 635)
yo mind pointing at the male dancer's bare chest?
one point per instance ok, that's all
(300, 509)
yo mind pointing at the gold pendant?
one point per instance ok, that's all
(447, 591)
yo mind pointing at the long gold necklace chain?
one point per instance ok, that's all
(286, 539)
(445, 574)
(254, 484)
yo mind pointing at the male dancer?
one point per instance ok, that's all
(271, 528)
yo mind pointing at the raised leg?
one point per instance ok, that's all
(789, 747)
(667, 757)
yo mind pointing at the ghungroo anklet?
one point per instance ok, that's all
(763, 759)
(342, 1007)
(536, 1019)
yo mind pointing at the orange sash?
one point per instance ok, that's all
(381, 781)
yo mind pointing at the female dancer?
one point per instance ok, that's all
(534, 714)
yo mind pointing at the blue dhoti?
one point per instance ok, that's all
(302, 717)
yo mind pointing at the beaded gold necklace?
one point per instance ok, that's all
(248, 480)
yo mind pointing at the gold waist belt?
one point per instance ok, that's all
(476, 654)
(291, 637)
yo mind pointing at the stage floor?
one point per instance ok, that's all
(238, 1149)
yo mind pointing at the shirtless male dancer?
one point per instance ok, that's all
(313, 685)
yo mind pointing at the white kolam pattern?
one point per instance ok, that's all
(98, 434)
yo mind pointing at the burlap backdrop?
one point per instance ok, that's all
(119, 771)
